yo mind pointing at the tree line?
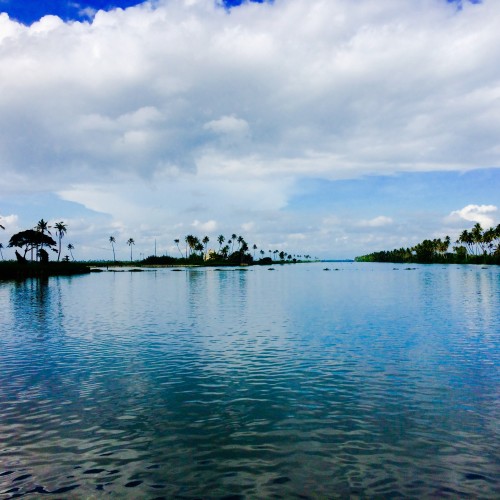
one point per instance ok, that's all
(477, 246)
(234, 250)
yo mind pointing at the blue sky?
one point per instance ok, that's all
(331, 128)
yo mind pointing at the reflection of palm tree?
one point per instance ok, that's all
(70, 248)
(1, 246)
(113, 241)
(130, 242)
(61, 231)
(176, 241)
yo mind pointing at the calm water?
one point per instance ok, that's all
(368, 381)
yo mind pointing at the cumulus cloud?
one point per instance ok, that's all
(170, 107)
(379, 221)
(9, 221)
(484, 214)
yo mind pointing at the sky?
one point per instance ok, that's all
(323, 127)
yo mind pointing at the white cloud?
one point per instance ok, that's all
(484, 214)
(207, 227)
(379, 221)
(175, 110)
(9, 221)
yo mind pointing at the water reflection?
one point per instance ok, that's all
(211, 383)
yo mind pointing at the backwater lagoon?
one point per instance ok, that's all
(367, 380)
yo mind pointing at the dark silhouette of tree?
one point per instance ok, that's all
(221, 240)
(71, 247)
(1, 254)
(30, 239)
(176, 241)
(112, 240)
(205, 242)
(130, 243)
(60, 232)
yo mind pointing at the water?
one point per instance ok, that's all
(368, 381)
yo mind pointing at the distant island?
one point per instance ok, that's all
(33, 247)
(476, 246)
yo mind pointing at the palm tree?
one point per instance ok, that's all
(41, 227)
(130, 242)
(205, 242)
(1, 246)
(70, 248)
(233, 239)
(176, 241)
(477, 237)
(221, 240)
(61, 229)
(113, 241)
(240, 241)
(254, 248)
(190, 243)
(262, 253)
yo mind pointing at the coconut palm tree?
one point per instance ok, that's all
(240, 241)
(205, 241)
(477, 237)
(61, 229)
(113, 241)
(221, 240)
(1, 254)
(41, 227)
(191, 242)
(130, 242)
(233, 239)
(70, 248)
(254, 248)
(176, 241)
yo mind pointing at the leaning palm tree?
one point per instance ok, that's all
(61, 229)
(70, 248)
(240, 241)
(113, 241)
(176, 241)
(130, 242)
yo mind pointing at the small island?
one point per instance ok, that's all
(476, 246)
(33, 247)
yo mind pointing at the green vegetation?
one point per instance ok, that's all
(476, 246)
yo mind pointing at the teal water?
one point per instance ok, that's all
(369, 381)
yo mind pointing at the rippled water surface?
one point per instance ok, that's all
(367, 381)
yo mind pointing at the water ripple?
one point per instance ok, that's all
(295, 384)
